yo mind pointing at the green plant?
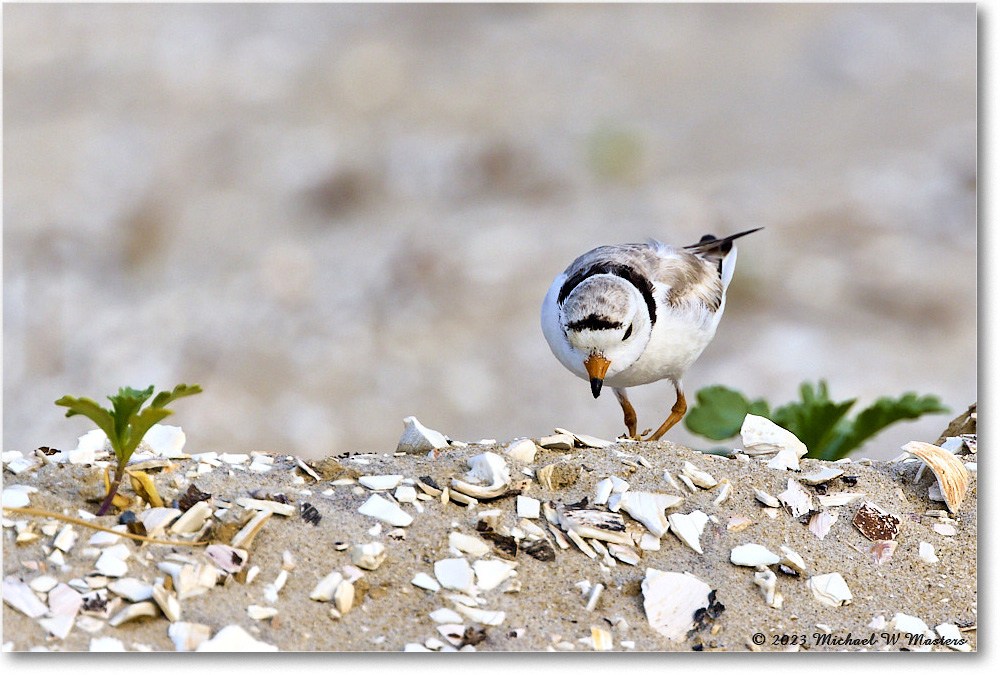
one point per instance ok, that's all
(126, 423)
(816, 420)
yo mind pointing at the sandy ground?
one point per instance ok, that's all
(548, 610)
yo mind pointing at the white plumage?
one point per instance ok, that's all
(637, 313)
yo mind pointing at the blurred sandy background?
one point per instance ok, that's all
(332, 217)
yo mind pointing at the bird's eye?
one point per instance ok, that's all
(628, 331)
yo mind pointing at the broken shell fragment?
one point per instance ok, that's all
(648, 508)
(670, 601)
(426, 581)
(688, 527)
(595, 524)
(234, 639)
(380, 482)
(19, 595)
(796, 499)
(926, 553)
(792, 560)
(752, 555)
(491, 573)
(245, 536)
(228, 558)
(523, 451)
(187, 636)
(821, 522)
(489, 474)
(324, 590)
(167, 602)
(135, 611)
(950, 471)
(557, 442)
(839, 498)
(767, 581)
(468, 544)
(702, 479)
(882, 551)
(876, 523)
(418, 439)
(830, 589)
(455, 574)
(766, 499)
(368, 556)
(952, 638)
(761, 436)
(386, 511)
(823, 476)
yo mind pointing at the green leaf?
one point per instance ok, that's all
(163, 398)
(814, 420)
(882, 413)
(137, 428)
(719, 412)
(90, 409)
(126, 404)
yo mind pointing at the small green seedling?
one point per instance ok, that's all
(816, 420)
(125, 424)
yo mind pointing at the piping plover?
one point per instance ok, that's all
(637, 313)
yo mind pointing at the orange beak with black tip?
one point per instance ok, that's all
(596, 366)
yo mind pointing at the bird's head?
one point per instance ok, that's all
(607, 324)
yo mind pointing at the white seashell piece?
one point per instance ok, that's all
(389, 482)
(418, 439)
(670, 601)
(187, 636)
(688, 527)
(384, 510)
(522, 451)
(830, 589)
(926, 553)
(455, 574)
(761, 436)
(702, 479)
(324, 590)
(426, 581)
(234, 639)
(468, 544)
(368, 556)
(491, 573)
(648, 508)
(752, 555)
(796, 499)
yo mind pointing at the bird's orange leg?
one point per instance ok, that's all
(676, 413)
(630, 420)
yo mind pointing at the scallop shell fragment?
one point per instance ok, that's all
(950, 471)
(761, 436)
(670, 601)
(830, 589)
